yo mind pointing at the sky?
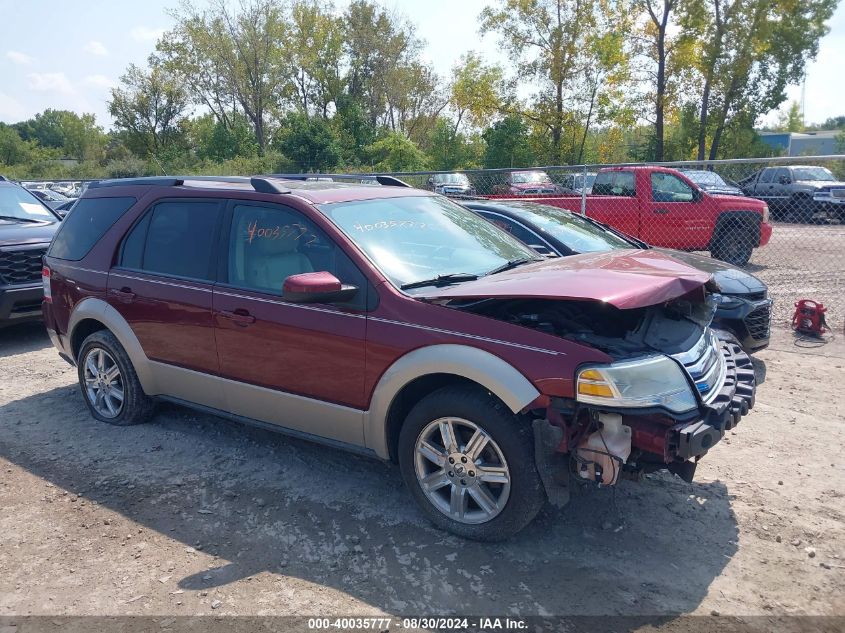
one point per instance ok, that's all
(67, 54)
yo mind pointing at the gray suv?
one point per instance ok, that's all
(797, 193)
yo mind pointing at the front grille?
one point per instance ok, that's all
(705, 365)
(754, 296)
(21, 265)
(757, 322)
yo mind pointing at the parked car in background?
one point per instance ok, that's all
(62, 209)
(663, 207)
(791, 191)
(451, 184)
(743, 309)
(51, 198)
(579, 182)
(528, 183)
(396, 323)
(26, 228)
(712, 183)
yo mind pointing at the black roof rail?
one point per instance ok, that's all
(263, 184)
(387, 181)
(155, 181)
(391, 181)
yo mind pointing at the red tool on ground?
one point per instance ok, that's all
(809, 317)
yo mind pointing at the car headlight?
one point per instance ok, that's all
(765, 213)
(656, 381)
(724, 301)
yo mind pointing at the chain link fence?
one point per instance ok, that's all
(782, 220)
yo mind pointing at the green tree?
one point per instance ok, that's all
(215, 140)
(448, 149)
(149, 107)
(78, 136)
(792, 120)
(314, 50)
(765, 47)
(395, 152)
(231, 58)
(557, 45)
(507, 144)
(310, 142)
(13, 149)
(477, 91)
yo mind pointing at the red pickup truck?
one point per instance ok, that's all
(663, 207)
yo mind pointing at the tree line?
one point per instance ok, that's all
(296, 85)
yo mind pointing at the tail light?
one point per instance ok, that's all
(45, 280)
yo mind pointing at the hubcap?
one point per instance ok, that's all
(103, 383)
(461, 470)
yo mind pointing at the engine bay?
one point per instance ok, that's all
(670, 328)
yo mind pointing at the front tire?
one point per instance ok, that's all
(469, 464)
(109, 384)
(733, 244)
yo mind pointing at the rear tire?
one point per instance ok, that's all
(734, 244)
(491, 489)
(109, 384)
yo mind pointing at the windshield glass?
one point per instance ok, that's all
(705, 178)
(812, 173)
(524, 177)
(19, 203)
(451, 179)
(573, 231)
(417, 238)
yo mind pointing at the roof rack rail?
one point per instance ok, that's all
(155, 181)
(267, 185)
(387, 181)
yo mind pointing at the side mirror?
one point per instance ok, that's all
(431, 181)
(319, 287)
(784, 180)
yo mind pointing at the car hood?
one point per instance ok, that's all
(13, 233)
(623, 278)
(730, 279)
(822, 184)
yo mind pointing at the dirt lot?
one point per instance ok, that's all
(194, 515)
(803, 261)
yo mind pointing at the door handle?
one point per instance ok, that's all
(661, 211)
(124, 295)
(239, 317)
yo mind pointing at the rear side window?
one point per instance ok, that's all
(174, 238)
(615, 183)
(86, 224)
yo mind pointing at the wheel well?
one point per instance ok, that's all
(410, 395)
(737, 220)
(83, 330)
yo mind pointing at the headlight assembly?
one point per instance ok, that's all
(656, 381)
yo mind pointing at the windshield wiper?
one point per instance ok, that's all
(440, 280)
(16, 218)
(513, 264)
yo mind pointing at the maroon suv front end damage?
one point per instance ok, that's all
(663, 329)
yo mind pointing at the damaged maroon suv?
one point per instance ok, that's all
(396, 323)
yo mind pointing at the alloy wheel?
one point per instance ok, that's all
(461, 470)
(103, 383)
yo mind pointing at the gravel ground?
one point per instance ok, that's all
(195, 515)
(804, 261)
